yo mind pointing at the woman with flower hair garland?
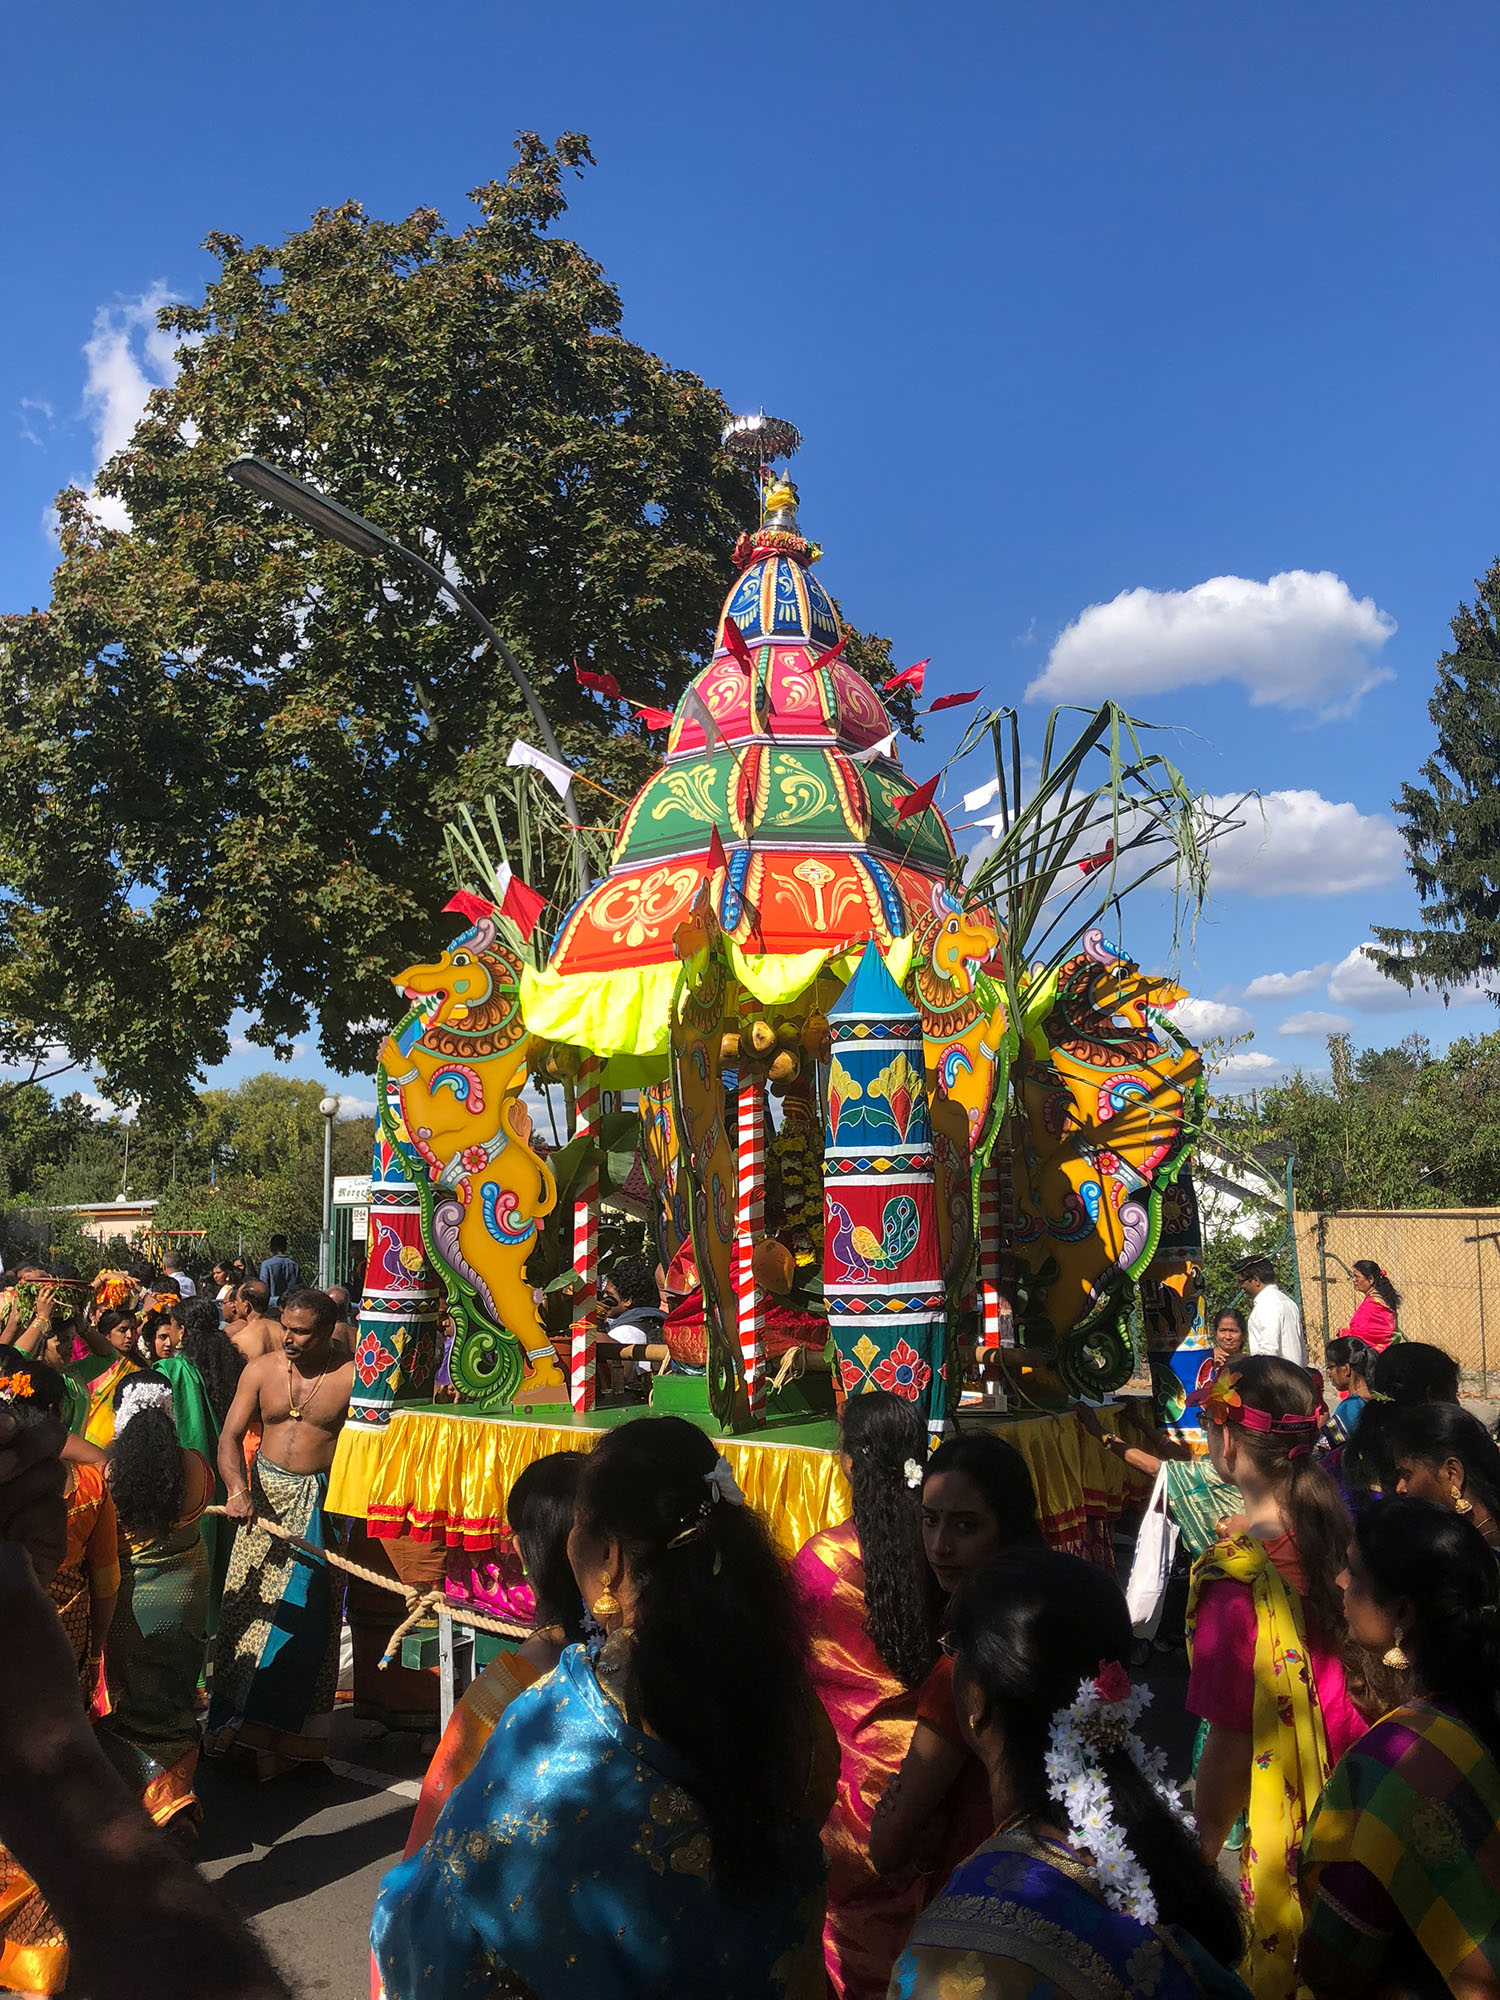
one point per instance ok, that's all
(1092, 1883)
(978, 1502)
(871, 1605)
(1266, 1640)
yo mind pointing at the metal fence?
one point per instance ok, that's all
(1445, 1262)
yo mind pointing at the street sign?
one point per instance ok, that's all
(351, 1191)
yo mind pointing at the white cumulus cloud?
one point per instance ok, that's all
(1315, 1023)
(1356, 981)
(1287, 985)
(127, 356)
(1248, 1069)
(104, 1107)
(1300, 640)
(1198, 1019)
(355, 1107)
(1301, 844)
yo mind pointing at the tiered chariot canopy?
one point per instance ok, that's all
(801, 785)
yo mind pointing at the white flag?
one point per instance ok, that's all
(696, 709)
(883, 748)
(557, 775)
(973, 800)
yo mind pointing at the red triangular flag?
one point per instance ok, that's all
(834, 653)
(734, 640)
(917, 801)
(717, 858)
(909, 677)
(522, 905)
(604, 684)
(1092, 861)
(952, 700)
(467, 904)
(654, 718)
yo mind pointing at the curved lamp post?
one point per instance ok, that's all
(329, 517)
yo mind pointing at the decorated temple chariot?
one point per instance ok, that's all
(905, 1118)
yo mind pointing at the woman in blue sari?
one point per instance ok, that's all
(645, 1818)
(1090, 1885)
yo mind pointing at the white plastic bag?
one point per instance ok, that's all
(1155, 1546)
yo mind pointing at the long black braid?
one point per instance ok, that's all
(211, 1351)
(884, 1435)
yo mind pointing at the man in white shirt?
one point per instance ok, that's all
(1275, 1323)
(171, 1263)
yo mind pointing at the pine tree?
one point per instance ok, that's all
(1451, 822)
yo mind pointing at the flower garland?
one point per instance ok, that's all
(1101, 1719)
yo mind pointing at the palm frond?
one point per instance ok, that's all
(1104, 800)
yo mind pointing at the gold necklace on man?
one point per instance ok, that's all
(293, 1405)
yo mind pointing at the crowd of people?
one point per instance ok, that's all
(909, 1761)
(190, 1429)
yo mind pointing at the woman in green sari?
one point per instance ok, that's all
(159, 1639)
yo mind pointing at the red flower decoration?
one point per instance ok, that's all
(372, 1358)
(1112, 1683)
(903, 1372)
(475, 1158)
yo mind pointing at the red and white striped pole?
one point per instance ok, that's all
(991, 1314)
(750, 1204)
(585, 1244)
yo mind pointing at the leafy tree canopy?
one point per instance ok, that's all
(38, 1135)
(1451, 821)
(268, 1126)
(227, 748)
(1391, 1128)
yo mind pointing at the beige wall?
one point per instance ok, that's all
(1444, 1262)
(103, 1223)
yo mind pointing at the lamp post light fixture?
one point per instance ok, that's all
(329, 1107)
(337, 523)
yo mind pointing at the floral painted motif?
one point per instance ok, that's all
(903, 1372)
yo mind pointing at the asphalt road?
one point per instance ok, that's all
(301, 1861)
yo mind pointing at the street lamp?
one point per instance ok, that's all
(329, 1106)
(329, 517)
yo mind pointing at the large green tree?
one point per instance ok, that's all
(1451, 821)
(38, 1135)
(227, 748)
(1389, 1128)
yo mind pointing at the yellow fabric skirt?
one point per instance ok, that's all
(443, 1476)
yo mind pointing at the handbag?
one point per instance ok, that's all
(1155, 1546)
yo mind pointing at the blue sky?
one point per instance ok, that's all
(1079, 308)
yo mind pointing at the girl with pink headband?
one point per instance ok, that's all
(1266, 1639)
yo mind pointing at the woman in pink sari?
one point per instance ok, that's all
(1374, 1318)
(870, 1601)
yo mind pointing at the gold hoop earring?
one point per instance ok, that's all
(606, 1605)
(1394, 1657)
(1462, 1504)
